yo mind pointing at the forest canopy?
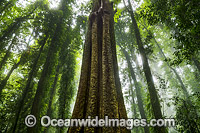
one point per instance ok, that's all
(122, 58)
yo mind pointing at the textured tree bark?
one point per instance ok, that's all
(152, 90)
(99, 92)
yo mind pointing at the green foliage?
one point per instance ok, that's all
(187, 116)
(117, 15)
(115, 1)
(174, 25)
(28, 28)
(182, 18)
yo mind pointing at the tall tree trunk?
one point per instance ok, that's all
(175, 72)
(43, 82)
(6, 56)
(27, 88)
(4, 81)
(49, 66)
(8, 32)
(99, 92)
(133, 103)
(138, 70)
(50, 63)
(152, 91)
(137, 87)
(66, 91)
(171, 68)
(15, 66)
(52, 93)
(12, 28)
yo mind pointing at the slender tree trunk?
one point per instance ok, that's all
(6, 56)
(152, 91)
(67, 86)
(52, 93)
(12, 28)
(138, 70)
(171, 68)
(5, 80)
(8, 32)
(27, 88)
(64, 104)
(43, 82)
(138, 90)
(133, 104)
(49, 66)
(99, 92)
(175, 72)
(50, 63)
